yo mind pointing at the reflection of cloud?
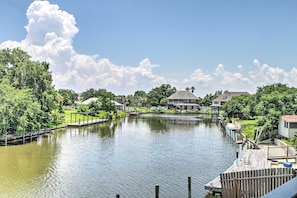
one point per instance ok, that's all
(50, 34)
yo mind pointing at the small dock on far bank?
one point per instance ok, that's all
(86, 123)
(29, 137)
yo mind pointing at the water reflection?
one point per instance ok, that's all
(128, 156)
(22, 165)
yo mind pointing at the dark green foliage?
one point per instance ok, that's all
(238, 107)
(269, 103)
(156, 95)
(17, 70)
(207, 100)
(90, 93)
(69, 96)
(18, 111)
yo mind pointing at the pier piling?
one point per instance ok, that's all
(157, 191)
(189, 187)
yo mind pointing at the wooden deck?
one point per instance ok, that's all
(28, 137)
(11, 139)
(250, 160)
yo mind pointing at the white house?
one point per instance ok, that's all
(119, 106)
(183, 100)
(287, 126)
(218, 102)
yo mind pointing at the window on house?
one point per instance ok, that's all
(285, 124)
(293, 125)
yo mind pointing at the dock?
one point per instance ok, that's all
(252, 159)
(29, 137)
(85, 123)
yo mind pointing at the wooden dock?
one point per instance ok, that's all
(29, 137)
(252, 159)
(85, 123)
(12, 139)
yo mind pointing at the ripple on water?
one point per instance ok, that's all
(130, 161)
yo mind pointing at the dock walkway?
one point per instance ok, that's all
(85, 123)
(250, 160)
(12, 139)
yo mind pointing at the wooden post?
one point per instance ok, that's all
(235, 187)
(79, 121)
(23, 137)
(5, 138)
(157, 191)
(189, 187)
(287, 153)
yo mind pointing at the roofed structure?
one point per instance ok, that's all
(183, 100)
(287, 126)
(226, 96)
(118, 105)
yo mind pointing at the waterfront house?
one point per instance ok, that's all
(287, 126)
(118, 105)
(218, 102)
(183, 100)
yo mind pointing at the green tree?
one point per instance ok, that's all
(237, 107)
(69, 96)
(22, 73)
(19, 110)
(157, 94)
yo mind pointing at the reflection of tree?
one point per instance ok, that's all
(106, 129)
(183, 123)
(158, 125)
(25, 163)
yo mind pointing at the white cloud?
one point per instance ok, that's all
(256, 62)
(50, 33)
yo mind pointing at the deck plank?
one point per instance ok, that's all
(252, 159)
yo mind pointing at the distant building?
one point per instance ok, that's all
(287, 126)
(183, 100)
(118, 105)
(218, 102)
(88, 101)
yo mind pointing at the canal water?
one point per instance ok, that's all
(128, 157)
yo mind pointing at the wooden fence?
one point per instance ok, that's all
(254, 183)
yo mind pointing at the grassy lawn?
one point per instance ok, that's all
(75, 117)
(249, 128)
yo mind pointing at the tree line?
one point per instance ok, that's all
(267, 105)
(29, 100)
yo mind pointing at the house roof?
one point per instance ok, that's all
(88, 101)
(183, 95)
(186, 104)
(290, 118)
(228, 95)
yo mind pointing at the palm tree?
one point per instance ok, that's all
(187, 89)
(192, 89)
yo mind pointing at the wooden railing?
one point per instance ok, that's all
(254, 183)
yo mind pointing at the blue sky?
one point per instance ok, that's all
(129, 45)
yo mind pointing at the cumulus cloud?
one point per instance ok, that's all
(256, 62)
(50, 33)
